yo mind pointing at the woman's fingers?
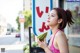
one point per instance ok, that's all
(41, 44)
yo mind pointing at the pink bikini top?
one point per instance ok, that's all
(52, 48)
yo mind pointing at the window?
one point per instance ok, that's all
(74, 7)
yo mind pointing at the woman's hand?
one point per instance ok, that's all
(42, 44)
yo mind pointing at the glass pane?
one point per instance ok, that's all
(75, 9)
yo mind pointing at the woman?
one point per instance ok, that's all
(57, 20)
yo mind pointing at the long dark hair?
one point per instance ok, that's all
(66, 16)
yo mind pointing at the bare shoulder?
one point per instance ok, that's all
(62, 42)
(61, 35)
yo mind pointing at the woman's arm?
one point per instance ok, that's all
(43, 45)
(62, 42)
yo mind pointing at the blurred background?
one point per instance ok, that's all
(11, 40)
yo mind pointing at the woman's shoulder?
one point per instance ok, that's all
(60, 35)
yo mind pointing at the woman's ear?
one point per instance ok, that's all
(60, 20)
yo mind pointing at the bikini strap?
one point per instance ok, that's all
(56, 33)
(54, 36)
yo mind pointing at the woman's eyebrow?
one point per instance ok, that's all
(52, 14)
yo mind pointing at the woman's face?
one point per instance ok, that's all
(52, 18)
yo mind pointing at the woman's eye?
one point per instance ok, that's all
(52, 15)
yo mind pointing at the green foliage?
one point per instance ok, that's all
(27, 16)
(34, 44)
(76, 17)
(17, 20)
(26, 47)
(77, 21)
